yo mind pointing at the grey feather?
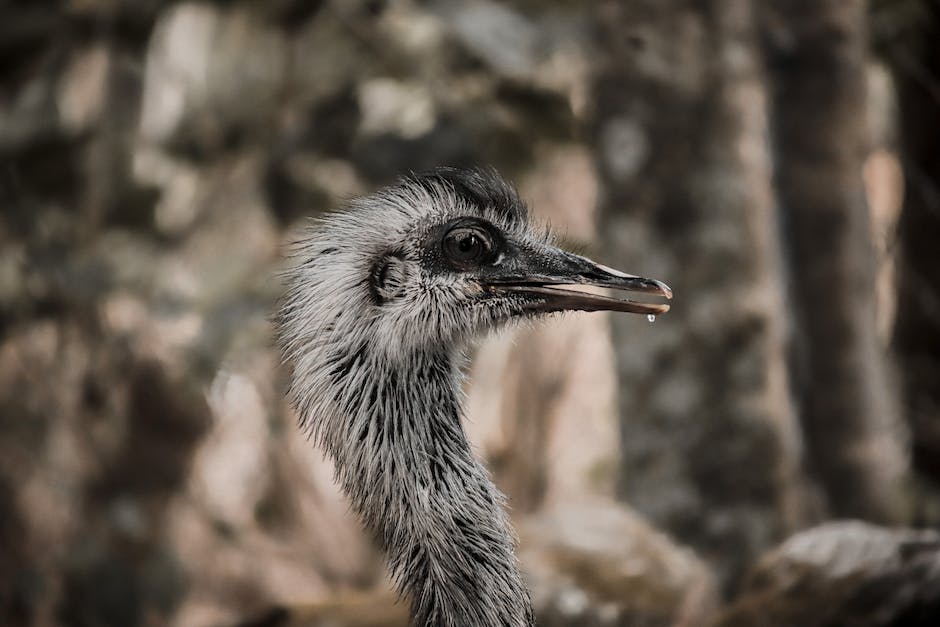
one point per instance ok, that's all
(374, 331)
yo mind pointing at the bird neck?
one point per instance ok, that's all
(403, 458)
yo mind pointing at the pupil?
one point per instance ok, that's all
(465, 246)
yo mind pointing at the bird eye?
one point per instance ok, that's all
(466, 245)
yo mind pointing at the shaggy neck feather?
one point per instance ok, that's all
(403, 458)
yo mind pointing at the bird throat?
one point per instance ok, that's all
(402, 457)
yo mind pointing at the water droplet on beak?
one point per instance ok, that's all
(651, 317)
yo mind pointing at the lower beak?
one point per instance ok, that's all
(547, 292)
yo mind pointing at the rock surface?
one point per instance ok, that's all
(844, 573)
(597, 564)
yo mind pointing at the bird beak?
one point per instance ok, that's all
(543, 278)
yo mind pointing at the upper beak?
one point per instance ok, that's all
(542, 284)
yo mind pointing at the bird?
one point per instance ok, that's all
(380, 306)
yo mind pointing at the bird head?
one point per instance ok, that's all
(438, 259)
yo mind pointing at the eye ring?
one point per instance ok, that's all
(467, 245)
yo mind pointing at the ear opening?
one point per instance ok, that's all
(388, 278)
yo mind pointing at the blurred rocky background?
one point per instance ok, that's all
(768, 453)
